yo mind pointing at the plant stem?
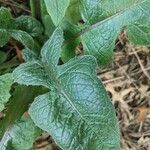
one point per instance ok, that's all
(36, 9)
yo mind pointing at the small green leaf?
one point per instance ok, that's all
(73, 13)
(57, 9)
(49, 52)
(4, 37)
(46, 20)
(29, 25)
(6, 20)
(24, 73)
(10, 27)
(21, 135)
(5, 86)
(76, 111)
(23, 37)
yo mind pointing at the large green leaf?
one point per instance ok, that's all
(57, 9)
(21, 135)
(105, 20)
(5, 86)
(77, 111)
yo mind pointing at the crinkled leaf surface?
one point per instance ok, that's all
(29, 55)
(105, 19)
(57, 9)
(5, 86)
(77, 111)
(21, 135)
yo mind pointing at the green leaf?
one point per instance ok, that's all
(73, 14)
(4, 37)
(29, 25)
(29, 55)
(49, 52)
(46, 20)
(23, 37)
(105, 20)
(77, 111)
(68, 50)
(91, 11)
(5, 86)
(22, 96)
(21, 135)
(10, 27)
(6, 20)
(57, 9)
(23, 74)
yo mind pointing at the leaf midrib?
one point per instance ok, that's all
(87, 29)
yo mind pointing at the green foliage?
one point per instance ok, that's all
(5, 86)
(57, 9)
(77, 107)
(73, 13)
(74, 106)
(46, 20)
(29, 25)
(23, 28)
(21, 135)
(21, 97)
(105, 25)
(3, 57)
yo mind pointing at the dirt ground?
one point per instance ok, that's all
(127, 81)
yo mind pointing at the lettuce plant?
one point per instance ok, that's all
(66, 98)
